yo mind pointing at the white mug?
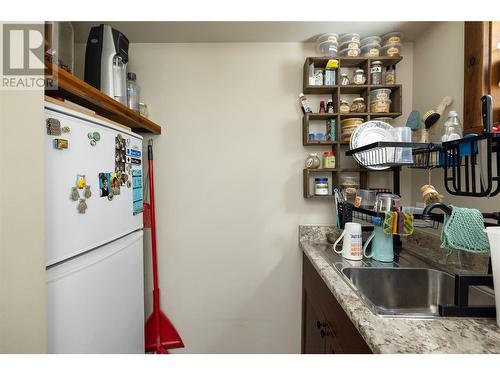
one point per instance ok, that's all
(352, 244)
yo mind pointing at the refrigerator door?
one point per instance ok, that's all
(96, 301)
(68, 232)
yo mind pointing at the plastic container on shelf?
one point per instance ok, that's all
(348, 130)
(391, 50)
(327, 48)
(349, 52)
(349, 44)
(387, 120)
(395, 37)
(370, 50)
(349, 37)
(371, 40)
(353, 121)
(328, 37)
(380, 106)
(380, 94)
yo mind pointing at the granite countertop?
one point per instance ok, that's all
(397, 335)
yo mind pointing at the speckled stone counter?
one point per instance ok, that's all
(397, 335)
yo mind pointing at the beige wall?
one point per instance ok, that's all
(229, 189)
(22, 259)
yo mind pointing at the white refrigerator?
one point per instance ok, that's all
(94, 237)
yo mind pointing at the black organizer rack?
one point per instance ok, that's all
(347, 211)
(387, 154)
(471, 164)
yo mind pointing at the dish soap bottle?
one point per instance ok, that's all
(452, 128)
(133, 91)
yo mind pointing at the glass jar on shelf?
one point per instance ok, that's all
(321, 186)
(359, 77)
(390, 75)
(358, 105)
(329, 159)
(344, 79)
(312, 161)
(376, 73)
(344, 106)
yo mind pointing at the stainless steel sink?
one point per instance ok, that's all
(409, 292)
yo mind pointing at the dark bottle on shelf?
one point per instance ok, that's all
(329, 106)
(322, 106)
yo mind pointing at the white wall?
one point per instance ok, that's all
(22, 258)
(229, 188)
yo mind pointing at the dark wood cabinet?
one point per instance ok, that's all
(325, 326)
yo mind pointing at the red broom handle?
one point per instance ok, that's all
(156, 290)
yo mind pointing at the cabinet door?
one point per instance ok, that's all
(312, 321)
(336, 330)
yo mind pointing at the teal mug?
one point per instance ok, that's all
(382, 246)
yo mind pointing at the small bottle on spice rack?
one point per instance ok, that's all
(329, 106)
(321, 186)
(331, 129)
(390, 75)
(376, 73)
(329, 159)
(322, 107)
(304, 104)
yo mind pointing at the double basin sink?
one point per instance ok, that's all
(405, 291)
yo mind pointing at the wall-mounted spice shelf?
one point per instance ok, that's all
(335, 92)
(79, 92)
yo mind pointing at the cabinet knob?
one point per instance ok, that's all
(320, 324)
(324, 333)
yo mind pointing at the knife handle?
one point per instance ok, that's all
(487, 113)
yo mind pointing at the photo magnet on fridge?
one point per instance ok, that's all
(115, 183)
(104, 184)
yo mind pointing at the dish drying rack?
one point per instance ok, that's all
(471, 164)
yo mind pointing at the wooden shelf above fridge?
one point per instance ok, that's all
(79, 92)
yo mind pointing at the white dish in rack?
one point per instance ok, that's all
(367, 133)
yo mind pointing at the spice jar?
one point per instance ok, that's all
(328, 159)
(329, 106)
(376, 73)
(344, 79)
(321, 186)
(359, 77)
(344, 106)
(390, 75)
(358, 105)
(312, 161)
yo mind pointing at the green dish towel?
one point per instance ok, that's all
(464, 230)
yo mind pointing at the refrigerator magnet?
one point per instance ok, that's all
(66, 129)
(81, 182)
(82, 206)
(110, 196)
(74, 195)
(115, 183)
(87, 193)
(61, 144)
(104, 182)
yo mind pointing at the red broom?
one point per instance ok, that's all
(161, 334)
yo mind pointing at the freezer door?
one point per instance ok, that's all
(68, 232)
(95, 302)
